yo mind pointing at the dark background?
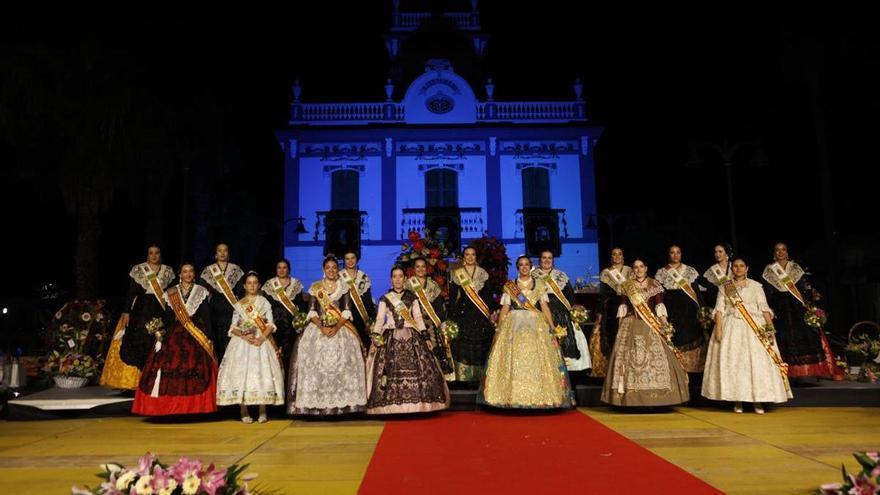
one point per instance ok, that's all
(160, 124)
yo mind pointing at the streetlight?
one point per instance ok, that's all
(300, 226)
(610, 219)
(729, 153)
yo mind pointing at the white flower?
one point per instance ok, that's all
(142, 487)
(111, 468)
(99, 317)
(125, 480)
(58, 315)
(191, 484)
(169, 488)
(86, 317)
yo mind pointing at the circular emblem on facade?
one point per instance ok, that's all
(439, 103)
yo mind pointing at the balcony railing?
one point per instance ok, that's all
(472, 222)
(560, 216)
(321, 225)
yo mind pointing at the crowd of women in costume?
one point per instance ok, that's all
(226, 337)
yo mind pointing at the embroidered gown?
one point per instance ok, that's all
(440, 349)
(249, 374)
(143, 306)
(526, 369)
(180, 377)
(602, 340)
(804, 348)
(683, 311)
(739, 368)
(642, 369)
(221, 309)
(471, 347)
(403, 375)
(575, 348)
(327, 375)
(285, 335)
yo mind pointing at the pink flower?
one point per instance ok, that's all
(863, 486)
(145, 464)
(831, 488)
(184, 467)
(213, 480)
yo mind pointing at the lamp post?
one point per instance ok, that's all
(730, 153)
(609, 218)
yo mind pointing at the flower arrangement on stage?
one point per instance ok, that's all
(867, 482)
(71, 364)
(815, 317)
(186, 477)
(580, 315)
(77, 337)
(434, 253)
(492, 257)
(706, 317)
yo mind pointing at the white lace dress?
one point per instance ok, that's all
(329, 376)
(249, 374)
(739, 368)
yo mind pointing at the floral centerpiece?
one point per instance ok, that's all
(186, 477)
(77, 337)
(867, 482)
(432, 251)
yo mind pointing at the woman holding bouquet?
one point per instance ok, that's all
(605, 329)
(526, 369)
(250, 373)
(743, 363)
(644, 368)
(469, 308)
(790, 294)
(285, 294)
(403, 375)
(180, 374)
(683, 302)
(429, 294)
(574, 345)
(145, 303)
(326, 374)
(358, 285)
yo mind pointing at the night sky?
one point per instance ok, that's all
(206, 94)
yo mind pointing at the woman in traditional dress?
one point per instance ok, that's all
(683, 301)
(180, 375)
(789, 292)
(644, 368)
(469, 303)
(145, 303)
(403, 375)
(327, 374)
(223, 280)
(718, 273)
(526, 369)
(575, 348)
(285, 294)
(433, 313)
(605, 328)
(743, 363)
(357, 283)
(250, 373)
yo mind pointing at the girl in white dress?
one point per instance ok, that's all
(740, 365)
(250, 373)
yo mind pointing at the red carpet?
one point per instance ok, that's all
(485, 453)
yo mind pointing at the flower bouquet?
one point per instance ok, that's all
(867, 482)
(450, 329)
(71, 370)
(706, 317)
(186, 477)
(815, 317)
(329, 320)
(78, 333)
(580, 315)
(299, 320)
